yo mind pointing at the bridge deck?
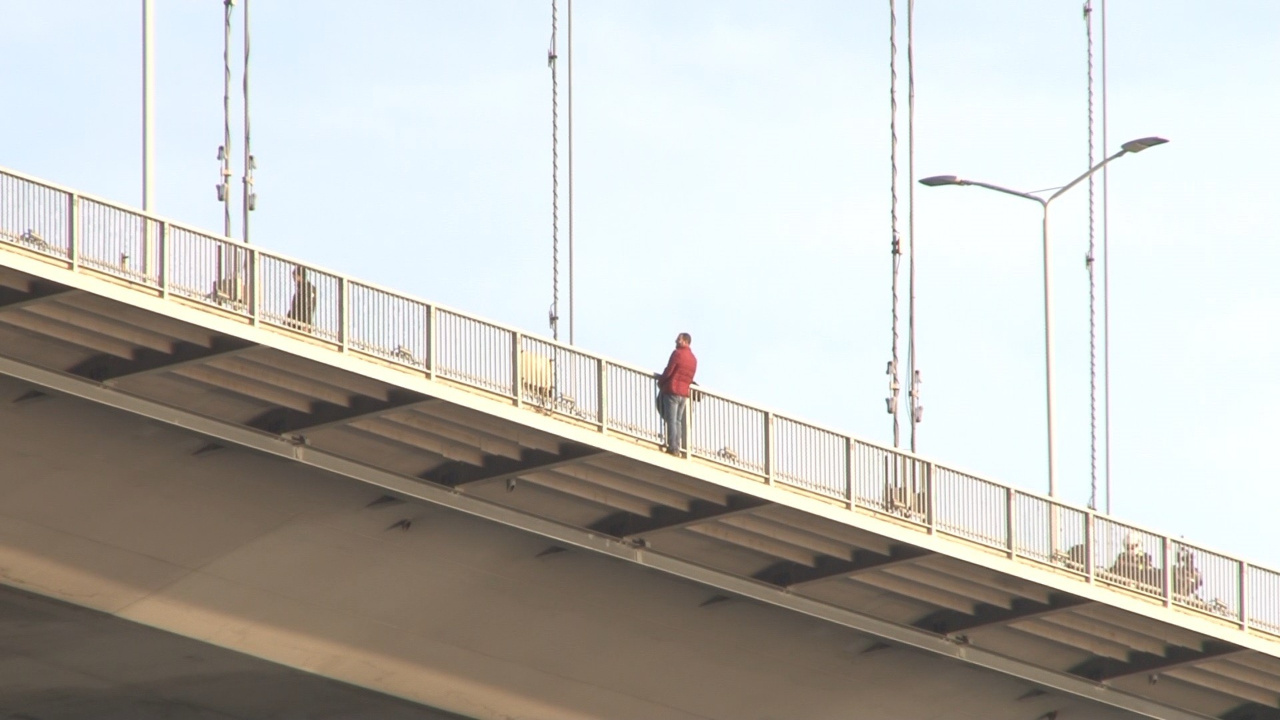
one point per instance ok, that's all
(108, 304)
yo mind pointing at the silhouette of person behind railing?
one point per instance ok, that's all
(302, 309)
(1186, 576)
(1134, 563)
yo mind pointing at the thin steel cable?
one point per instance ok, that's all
(226, 119)
(895, 245)
(1106, 285)
(248, 158)
(148, 110)
(912, 370)
(553, 315)
(573, 311)
(1093, 284)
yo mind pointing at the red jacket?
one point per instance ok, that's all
(679, 373)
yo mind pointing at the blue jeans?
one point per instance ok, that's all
(672, 408)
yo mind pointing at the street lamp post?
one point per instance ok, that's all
(1133, 146)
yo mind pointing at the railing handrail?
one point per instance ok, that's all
(257, 292)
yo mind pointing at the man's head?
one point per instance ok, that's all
(684, 340)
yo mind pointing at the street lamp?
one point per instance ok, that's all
(1133, 146)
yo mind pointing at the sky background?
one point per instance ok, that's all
(732, 180)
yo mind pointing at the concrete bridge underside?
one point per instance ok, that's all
(314, 522)
(226, 549)
(60, 660)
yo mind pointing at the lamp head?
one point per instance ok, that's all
(937, 180)
(1137, 146)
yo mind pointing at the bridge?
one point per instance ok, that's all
(238, 485)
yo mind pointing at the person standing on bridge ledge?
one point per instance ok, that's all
(673, 391)
(302, 308)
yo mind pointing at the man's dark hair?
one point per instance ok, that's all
(686, 337)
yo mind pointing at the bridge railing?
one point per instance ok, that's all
(173, 260)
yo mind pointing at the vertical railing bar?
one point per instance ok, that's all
(1243, 589)
(850, 477)
(931, 495)
(602, 402)
(1089, 541)
(515, 366)
(344, 303)
(1011, 500)
(163, 258)
(1167, 547)
(432, 320)
(148, 245)
(255, 294)
(768, 447)
(73, 230)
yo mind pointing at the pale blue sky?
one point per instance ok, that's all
(732, 180)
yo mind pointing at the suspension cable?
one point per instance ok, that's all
(895, 250)
(225, 150)
(573, 312)
(913, 372)
(1093, 294)
(1106, 285)
(248, 199)
(553, 315)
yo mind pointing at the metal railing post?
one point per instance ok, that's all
(148, 248)
(1089, 519)
(1166, 549)
(602, 395)
(162, 259)
(768, 447)
(687, 440)
(73, 230)
(849, 480)
(1055, 532)
(1244, 595)
(432, 360)
(252, 287)
(515, 366)
(1010, 521)
(930, 495)
(344, 312)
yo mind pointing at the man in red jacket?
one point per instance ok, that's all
(673, 391)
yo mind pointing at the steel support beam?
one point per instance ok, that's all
(585, 539)
(950, 622)
(1251, 711)
(793, 576)
(630, 526)
(1140, 663)
(111, 369)
(284, 421)
(11, 299)
(497, 468)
